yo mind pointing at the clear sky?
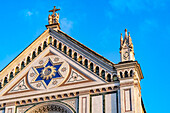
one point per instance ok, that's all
(98, 24)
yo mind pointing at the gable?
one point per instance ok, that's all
(48, 44)
(72, 75)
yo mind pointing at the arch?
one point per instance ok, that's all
(53, 107)
(44, 45)
(91, 67)
(75, 56)
(5, 81)
(121, 75)
(39, 50)
(22, 65)
(50, 40)
(86, 63)
(28, 60)
(65, 49)
(55, 43)
(0, 85)
(80, 60)
(131, 73)
(33, 54)
(97, 70)
(109, 78)
(70, 53)
(103, 74)
(16, 70)
(126, 74)
(11, 75)
(60, 46)
(115, 78)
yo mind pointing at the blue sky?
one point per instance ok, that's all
(98, 24)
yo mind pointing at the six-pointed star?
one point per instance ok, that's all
(48, 72)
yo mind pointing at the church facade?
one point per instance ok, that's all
(57, 74)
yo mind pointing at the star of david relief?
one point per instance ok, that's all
(48, 72)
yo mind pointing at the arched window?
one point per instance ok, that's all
(5, 81)
(39, 50)
(70, 53)
(11, 76)
(33, 55)
(80, 60)
(121, 75)
(86, 63)
(65, 49)
(91, 67)
(0, 85)
(28, 60)
(126, 74)
(97, 70)
(50, 40)
(22, 65)
(55, 43)
(44, 45)
(115, 78)
(103, 74)
(16, 70)
(109, 78)
(75, 56)
(131, 73)
(60, 46)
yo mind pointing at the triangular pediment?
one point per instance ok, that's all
(51, 70)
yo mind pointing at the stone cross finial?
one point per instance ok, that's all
(54, 10)
(53, 19)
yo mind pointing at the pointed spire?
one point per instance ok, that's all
(130, 41)
(126, 33)
(121, 40)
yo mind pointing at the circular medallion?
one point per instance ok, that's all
(51, 73)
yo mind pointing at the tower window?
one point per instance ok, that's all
(126, 74)
(131, 73)
(121, 75)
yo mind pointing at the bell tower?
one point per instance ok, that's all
(126, 48)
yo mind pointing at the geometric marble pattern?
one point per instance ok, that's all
(20, 86)
(75, 77)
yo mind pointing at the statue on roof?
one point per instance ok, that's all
(54, 18)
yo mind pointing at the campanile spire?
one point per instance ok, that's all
(126, 48)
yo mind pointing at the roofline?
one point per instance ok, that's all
(22, 51)
(86, 48)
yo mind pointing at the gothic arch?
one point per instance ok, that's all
(58, 107)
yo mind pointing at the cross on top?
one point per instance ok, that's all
(54, 10)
